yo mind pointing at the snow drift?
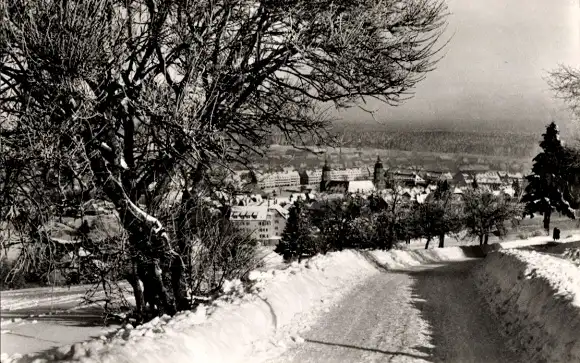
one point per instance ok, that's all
(537, 297)
(257, 324)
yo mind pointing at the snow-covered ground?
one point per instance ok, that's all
(537, 296)
(258, 325)
(284, 302)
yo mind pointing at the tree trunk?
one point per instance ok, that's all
(137, 285)
(149, 244)
(547, 216)
(486, 239)
(442, 240)
(481, 239)
(427, 244)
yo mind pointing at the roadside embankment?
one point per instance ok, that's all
(537, 297)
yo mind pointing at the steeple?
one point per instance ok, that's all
(379, 175)
(325, 167)
(325, 175)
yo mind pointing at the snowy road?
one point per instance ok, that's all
(425, 314)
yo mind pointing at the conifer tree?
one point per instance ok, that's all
(297, 238)
(474, 183)
(517, 188)
(545, 190)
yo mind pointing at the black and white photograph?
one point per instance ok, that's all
(290, 181)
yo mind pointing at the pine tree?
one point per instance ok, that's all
(297, 238)
(545, 190)
(474, 183)
(517, 188)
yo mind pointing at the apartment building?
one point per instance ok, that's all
(265, 223)
(314, 177)
(279, 179)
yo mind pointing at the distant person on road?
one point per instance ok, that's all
(556, 234)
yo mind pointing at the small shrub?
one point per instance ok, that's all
(523, 235)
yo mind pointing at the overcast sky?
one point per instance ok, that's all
(495, 66)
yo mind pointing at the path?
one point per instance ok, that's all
(426, 314)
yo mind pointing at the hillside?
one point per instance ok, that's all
(381, 136)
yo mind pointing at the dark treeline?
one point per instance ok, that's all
(441, 141)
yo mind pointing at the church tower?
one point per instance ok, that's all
(325, 175)
(379, 175)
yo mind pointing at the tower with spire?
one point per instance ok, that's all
(325, 175)
(379, 175)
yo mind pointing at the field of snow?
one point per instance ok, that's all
(260, 324)
(537, 296)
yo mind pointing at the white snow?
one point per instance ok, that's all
(532, 241)
(537, 297)
(243, 326)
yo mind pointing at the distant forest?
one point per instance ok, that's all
(492, 143)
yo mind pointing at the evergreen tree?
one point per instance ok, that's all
(442, 190)
(474, 183)
(517, 188)
(297, 238)
(545, 190)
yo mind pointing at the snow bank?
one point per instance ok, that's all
(572, 254)
(260, 324)
(537, 297)
(532, 241)
(405, 258)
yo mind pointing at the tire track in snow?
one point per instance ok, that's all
(422, 314)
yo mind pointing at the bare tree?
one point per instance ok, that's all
(122, 100)
(487, 213)
(565, 82)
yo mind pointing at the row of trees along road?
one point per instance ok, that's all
(360, 222)
(114, 100)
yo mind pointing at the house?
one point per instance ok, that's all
(509, 178)
(265, 223)
(488, 179)
(406, 177)
(310, 177)
(435, 176)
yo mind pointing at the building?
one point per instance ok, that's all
(350, 174)
(265, 223)
(313, 177)
(406, 177)
(473, 168)
(279, 179)
(379, 175)
(310, 177)
(329, 183)
(509, 178)
(488, 179)
(435, 176)
(345, 186)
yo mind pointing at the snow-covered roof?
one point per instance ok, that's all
(361, 186)
(255, 212)
(421, 198)
(278, 208)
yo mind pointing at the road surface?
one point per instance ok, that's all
(425, 314)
